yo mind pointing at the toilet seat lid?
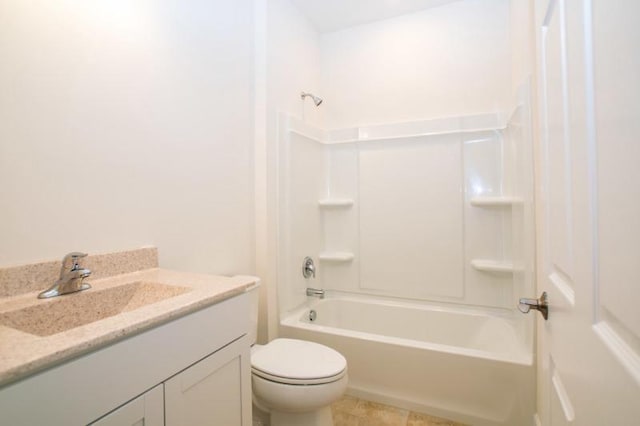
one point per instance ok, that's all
(298, 360)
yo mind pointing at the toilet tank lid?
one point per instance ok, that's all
(298, 359)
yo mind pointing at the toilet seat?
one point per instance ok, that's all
(297, 362)
(288, 381)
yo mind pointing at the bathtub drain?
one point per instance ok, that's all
(312, 315)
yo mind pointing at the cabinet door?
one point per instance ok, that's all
(214, 392)
(145, 410)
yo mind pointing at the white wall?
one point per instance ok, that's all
(522, 40)
(451, 60)
(126, 124)
(293, 64)
(289, 63)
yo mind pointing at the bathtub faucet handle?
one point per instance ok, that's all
(308, 268)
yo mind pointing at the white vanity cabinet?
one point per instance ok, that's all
(147, 410)
(192, 370)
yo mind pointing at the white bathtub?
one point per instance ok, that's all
(472, 367)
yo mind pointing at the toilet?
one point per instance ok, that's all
(295, 381)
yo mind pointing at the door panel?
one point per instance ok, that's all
(616, 35)
(589, 350)
(558, 148)
(562, 410)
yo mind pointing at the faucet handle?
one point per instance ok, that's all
(73, 257)
(308, 268)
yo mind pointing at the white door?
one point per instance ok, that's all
(589, 81)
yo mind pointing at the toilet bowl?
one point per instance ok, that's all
(296, 381)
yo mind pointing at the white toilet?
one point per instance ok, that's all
(296, 381)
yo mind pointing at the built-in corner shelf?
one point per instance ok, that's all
(495, 201)
(486, 265)
(336, 256)
(331, 203)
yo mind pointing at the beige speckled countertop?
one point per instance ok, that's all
(23, 353)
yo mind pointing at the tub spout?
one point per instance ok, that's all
(315, 292)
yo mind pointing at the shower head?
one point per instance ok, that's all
(316, 100)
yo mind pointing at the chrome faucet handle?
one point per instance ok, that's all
(71, 257)
(308, 268)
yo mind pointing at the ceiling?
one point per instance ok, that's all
(333, 15)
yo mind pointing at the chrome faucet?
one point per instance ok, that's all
(71, 277)
(315, 292)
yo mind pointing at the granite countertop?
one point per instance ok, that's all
(23, 353)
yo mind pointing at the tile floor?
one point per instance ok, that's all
(351, 411)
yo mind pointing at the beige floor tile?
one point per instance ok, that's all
(380, 415)
(351, 411)
(346, 404)
(378, 422)
(419, 419)
(341, 418)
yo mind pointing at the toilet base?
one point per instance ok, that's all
(321, 417)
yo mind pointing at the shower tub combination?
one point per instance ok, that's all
(455, 197)
(475, 370)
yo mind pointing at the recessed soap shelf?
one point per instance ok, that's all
(336, 256)
(487, 265)
(335, 203)
(495, 201)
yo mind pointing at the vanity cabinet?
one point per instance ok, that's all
(147, 410)
(209, 392)
(192, 370)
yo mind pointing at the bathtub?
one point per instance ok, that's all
(472, 366)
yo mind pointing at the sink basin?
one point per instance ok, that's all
(73, 310)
